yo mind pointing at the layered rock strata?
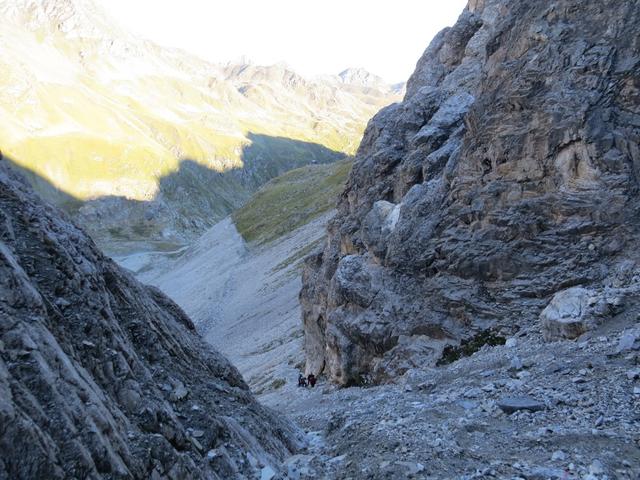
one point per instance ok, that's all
(103, 377)
(508, 174)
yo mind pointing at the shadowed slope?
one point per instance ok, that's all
(187, 201)
(195, 197)
(101, 376)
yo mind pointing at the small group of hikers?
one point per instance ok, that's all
(309, 381)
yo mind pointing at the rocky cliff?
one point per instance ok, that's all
(508, 175)
(103, 377)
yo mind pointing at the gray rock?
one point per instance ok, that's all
(378, 226)
(472, 393)
(81, 387)
(491, 164)
(337, 460)
(212, 454)
(546, 473)
(197, 445)
(62, 302)
(596, 468)
(511, 342)
(468, 404)
(516, 363)
(513, 404)
(566, 316)
(267, 473)
(626, 342)
(446, 117)
(298, 467)
(180, 392)
(410, 468)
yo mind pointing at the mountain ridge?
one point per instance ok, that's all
(122, 113)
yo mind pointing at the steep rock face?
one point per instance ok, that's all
(103, 377)
(508, 173)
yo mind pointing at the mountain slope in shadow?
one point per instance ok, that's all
(188, 201)
(103, 377)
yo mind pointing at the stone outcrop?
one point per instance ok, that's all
(576, 310)
(508, 173)
(103, 377)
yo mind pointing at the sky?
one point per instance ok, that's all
(386, 37)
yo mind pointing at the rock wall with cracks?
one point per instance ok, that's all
(508, 173)
(103, 377)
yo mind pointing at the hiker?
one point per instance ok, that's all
(302, 382)
(312, 380)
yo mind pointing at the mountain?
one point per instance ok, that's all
(103, 377)
(499, 197)
(139, 141)
(359, 76)
(477, 289)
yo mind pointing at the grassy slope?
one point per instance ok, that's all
(90, 133)
(290, 201)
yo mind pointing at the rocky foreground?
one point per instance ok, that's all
(525, 410)
(103, 377)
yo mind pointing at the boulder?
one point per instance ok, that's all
(574, 311)
(567, 315)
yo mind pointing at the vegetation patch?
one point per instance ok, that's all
(278, 383)
(290, 201)
(452, 353)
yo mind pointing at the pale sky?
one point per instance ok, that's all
(385, 37)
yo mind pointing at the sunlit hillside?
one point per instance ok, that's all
(95, 112)
(301, 194)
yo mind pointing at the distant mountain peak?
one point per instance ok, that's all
(72, 18)
(251, 73)
(360, 76)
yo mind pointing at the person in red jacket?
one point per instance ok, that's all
(312, 380)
